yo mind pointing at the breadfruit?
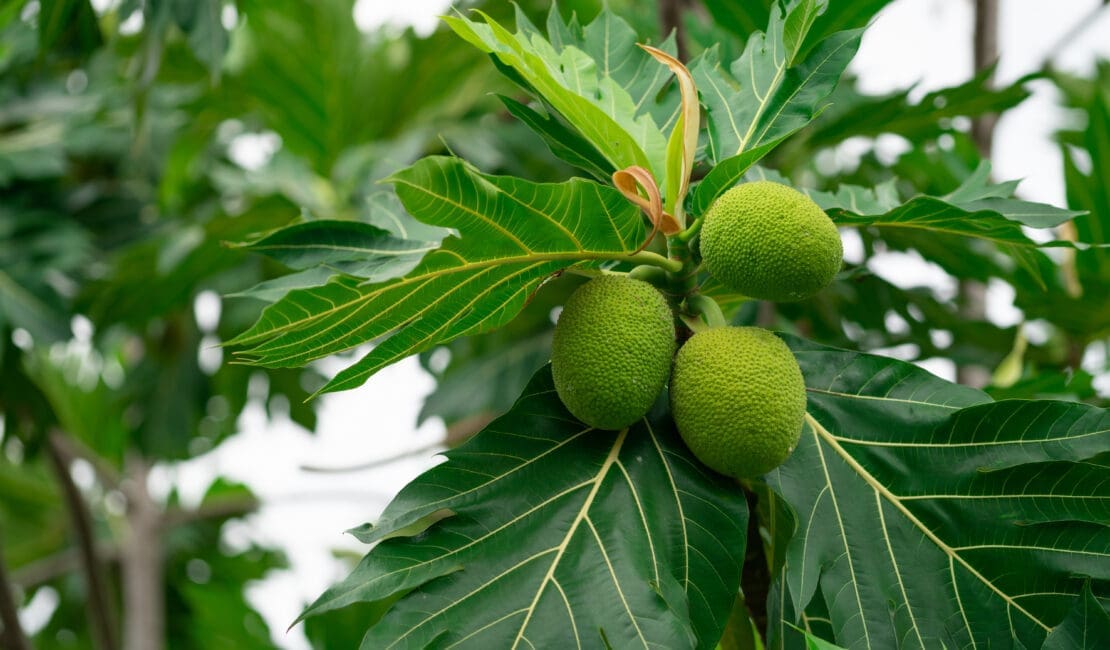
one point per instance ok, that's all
(738, 399)
(612, 350)
(769, 241)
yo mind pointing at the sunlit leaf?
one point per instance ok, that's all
(576, 86)
(557, 536)
(512, 235)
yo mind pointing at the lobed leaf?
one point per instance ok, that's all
(571, 81)
(762, 98)
(917, 499)
(555, 535)
(512, 235)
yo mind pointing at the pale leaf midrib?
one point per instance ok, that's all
(832, 442)
(599, 477)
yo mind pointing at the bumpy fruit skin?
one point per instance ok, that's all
(738, 399)
(612, 351)
(770, 241)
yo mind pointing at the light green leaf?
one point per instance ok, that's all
(915, 500)
(763, 100)
(576, 86)
(512, 235)
(598, 538)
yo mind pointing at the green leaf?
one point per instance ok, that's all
(201, 20)
(917, 498)
(512, 235)
(68, 25)
(763, 100)
(566, 144)
(1086, 627)
(615, 538)
(346, 246)
(576, 86)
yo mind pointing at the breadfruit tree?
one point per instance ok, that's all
(625, 499)
(631, 496)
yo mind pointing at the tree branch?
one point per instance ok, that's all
(670, 19)
(11, 635)
(102, 621)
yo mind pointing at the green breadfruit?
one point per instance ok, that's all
(612, 351)
(738, 399)
(770, 241)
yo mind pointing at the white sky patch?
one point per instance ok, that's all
(252, 151)
(909, 269)
(422, 15)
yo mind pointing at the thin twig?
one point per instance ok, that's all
(11, 636)
(377, 462)
(102, 621)
(1073, 34)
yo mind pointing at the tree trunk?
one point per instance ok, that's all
(142, 565)
(973, 295)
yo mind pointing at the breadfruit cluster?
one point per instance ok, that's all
(737, 394)
(769, 241)
(612, 350)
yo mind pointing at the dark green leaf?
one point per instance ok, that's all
(916, 499)
(68, 25)
(596, 535)
(1086, 627)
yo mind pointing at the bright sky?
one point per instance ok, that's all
(914, 41)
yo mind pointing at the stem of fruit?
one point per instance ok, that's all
(670, 265)
(707, 309)
(686, 235)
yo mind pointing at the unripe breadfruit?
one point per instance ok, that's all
(738, 399)
(771, 242)
(612, 350)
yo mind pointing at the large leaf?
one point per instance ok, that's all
(929, 516)
(556, 535)
(578, 87)
(512, 235)
(762, 99)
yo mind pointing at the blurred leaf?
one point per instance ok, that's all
(68, 25)
(926, 556)
(201, 21)
(857, 115)
(600, 546)
(513, 234)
